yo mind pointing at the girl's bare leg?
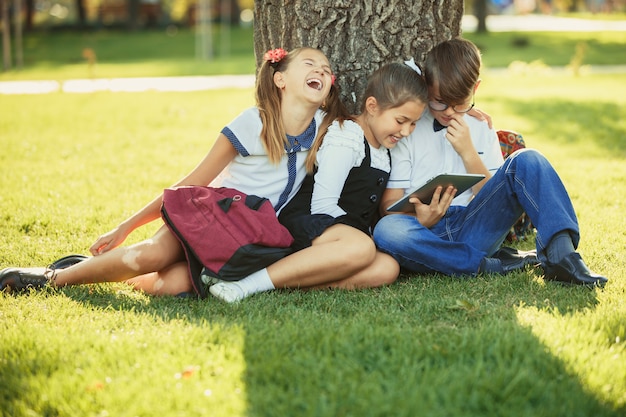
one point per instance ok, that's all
(123, 263)
(340, 252)
(171, 280)
(383, 271)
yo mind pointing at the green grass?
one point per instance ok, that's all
(58, 55)
(73, 165)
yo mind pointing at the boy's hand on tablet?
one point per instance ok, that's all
(429, 214)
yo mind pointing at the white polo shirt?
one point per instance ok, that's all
(251, 171)
(426, 153)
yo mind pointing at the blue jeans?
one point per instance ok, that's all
(526, 182)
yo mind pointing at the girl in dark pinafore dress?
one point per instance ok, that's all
(344, 192)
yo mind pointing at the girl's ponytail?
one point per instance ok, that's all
(268, 100)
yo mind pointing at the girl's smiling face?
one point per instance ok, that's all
(389, 126)
(308, 74)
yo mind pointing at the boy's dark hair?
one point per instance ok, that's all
(454, 67)
(393, 85)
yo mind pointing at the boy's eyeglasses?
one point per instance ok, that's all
(459, 108)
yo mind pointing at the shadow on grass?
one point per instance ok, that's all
(17, 395)
(430, 345)
(368, 368)
(566, 122)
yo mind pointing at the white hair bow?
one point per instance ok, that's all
(411, 63)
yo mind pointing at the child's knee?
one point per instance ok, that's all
(144, 256)
(390, 229)
(361, 249)
(387, 269)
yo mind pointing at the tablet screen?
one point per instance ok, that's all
(461, 182)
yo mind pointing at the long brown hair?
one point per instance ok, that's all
(393, 85)
(268, 101)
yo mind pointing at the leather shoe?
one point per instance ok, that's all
(507, 252)
(508, 260)
(21, 279)
(512, 259)
(67, 261)
(519, 262)
(572, 270)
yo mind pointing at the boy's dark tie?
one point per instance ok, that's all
(437, 126)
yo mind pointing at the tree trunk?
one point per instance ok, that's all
(231, 10)
(30, 13)
(5, 21)
(18, 28)
(133, 14)
(82, 13)
(480, 11)
(358, 36)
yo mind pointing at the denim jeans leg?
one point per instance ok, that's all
(541, 193)
(526, 182)
(418, 249)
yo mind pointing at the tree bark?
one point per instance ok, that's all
(357, 36)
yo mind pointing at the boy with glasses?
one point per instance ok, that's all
(461, 235)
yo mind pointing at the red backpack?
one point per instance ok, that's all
(510, 142)
(224, 233)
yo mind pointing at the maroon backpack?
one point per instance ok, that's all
(510, 142)
(224, 233)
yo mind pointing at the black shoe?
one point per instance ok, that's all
(508, 262)
(515, 264)
(67, 261)
(508, 253)
(572, 270)
(512, 260)
(18, 280)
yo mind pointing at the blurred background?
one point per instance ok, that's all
(65, 39)
(141, 14)
(133, 14)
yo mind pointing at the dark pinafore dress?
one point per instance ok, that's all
(360, 198)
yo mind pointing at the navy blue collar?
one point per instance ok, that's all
(302, 141)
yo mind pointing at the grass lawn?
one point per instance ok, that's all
(73, 165)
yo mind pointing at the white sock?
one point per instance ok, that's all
(232, 291)
(258, 281)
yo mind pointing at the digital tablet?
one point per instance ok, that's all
(461, 182)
